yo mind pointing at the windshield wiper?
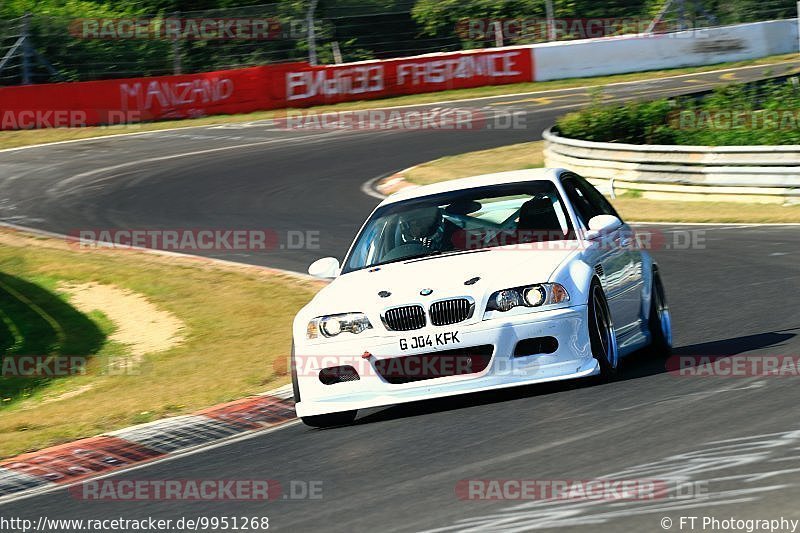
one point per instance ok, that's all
(424, 256)
(406, 258)
(448, 254)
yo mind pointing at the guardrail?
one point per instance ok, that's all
(730, 173)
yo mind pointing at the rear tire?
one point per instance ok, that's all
(343, 418)
(295, 385)
(659, 322)
(601, 333)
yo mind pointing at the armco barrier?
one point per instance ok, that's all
(737, 173)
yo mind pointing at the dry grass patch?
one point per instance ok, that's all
(647, 210)
(513, 157)
(230, 328)
(138, 324)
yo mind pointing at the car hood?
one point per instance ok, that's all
(445, 276)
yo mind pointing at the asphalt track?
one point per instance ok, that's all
(396, 469)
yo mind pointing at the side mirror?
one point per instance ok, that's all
(327, 267)
(602, 225)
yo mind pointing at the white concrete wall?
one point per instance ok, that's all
(616, 55)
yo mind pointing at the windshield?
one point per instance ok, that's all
(462, 220)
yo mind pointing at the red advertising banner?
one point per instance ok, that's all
(410, 75)
(137, 99)
(119, 101)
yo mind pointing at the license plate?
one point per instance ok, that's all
(446, 338)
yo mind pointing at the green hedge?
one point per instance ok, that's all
(732, 115)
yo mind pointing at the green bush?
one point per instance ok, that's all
(767, 114)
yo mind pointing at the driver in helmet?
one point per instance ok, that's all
(423, 226)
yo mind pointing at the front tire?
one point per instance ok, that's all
(602, 336)
(659, 322)
(343, 418)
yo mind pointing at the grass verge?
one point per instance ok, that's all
(529, 155)
(14, 139)
(235, 338)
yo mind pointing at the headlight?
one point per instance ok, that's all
(528, 296)
(332, 325)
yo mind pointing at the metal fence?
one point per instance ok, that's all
(46, 47)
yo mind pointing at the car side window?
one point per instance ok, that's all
(596, 198)
(583, 208)
(586, 199)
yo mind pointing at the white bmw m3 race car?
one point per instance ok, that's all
(476, 284)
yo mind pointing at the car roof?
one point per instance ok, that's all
(514, 176)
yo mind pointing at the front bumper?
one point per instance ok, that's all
(572, 359)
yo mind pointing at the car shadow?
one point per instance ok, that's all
(34, 321)
(638, 365)
(642, 364)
